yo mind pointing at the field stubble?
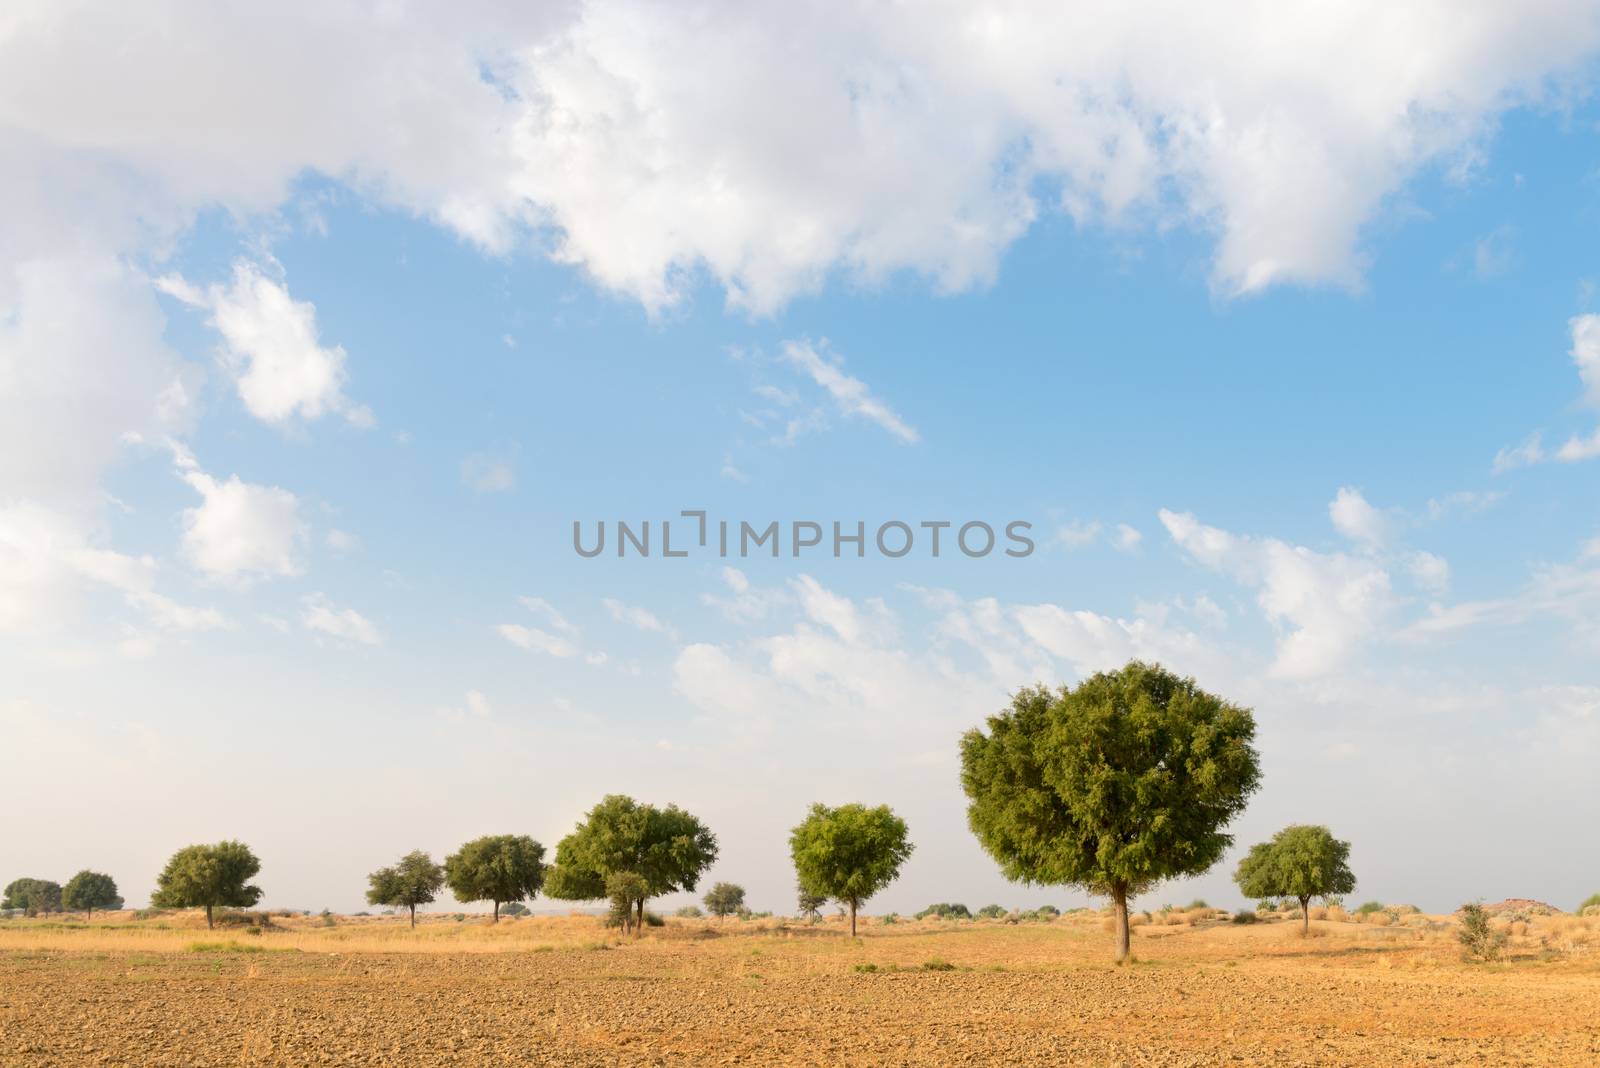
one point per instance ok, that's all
(563, 990)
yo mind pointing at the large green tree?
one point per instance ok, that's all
(90, 890)
(497, 868)
(32, 896)
(1301, 861)
(414, 880)
(666, 847)
(206, 876)
(1114, 785)
(848, 853)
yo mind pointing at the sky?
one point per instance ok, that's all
(321, 330)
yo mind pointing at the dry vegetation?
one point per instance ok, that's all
(564, 990)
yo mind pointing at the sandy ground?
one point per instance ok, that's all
(560, 991)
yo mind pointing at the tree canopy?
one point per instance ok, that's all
(724, 899)
(414, 880)
(497, 868)
(668, 848)
(849, 853)
(90, 890)
(205, 876)
(1114, 785)
(32, 896)
(810, 904)
(1301, 861)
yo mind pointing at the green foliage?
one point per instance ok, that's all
(90, 890)
(414, 881)
(849, 853)
(992, 912)
(515, 908)
(1479, 940)
(668, 848)
(937, 965)
(945, 911)
(1367, 908)
(207, 876)
(810, 904)
(1270, 904)
(1197, 903)
(625, 890)
(1301, 861)
(497, 868)
(890, 919)
(689, 912)
(1115, 785)
(1592, 901)
(32, 896)
(724, 899)
(1245, 916)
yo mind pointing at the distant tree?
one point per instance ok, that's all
(625, 890)
(414, 880)
(724, 899)
(90, 890)
(1479, 940)
(1113, 786)
(515, 908)
(992, 912)
(205, 876)
(849, 853)
(497, 868)
(1302, 861)
(668, 848)
(32, 896)
(811, 904)
(945, 911)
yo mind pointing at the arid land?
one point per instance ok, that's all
(564, 990)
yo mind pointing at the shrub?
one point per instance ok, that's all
(653, 919)
(1243, 916)
(1479, 940)
(891, 918)
(689, 912)
(945, 911)
(1367, 908)
(866, 968)
(1266, 904)
(1590, 902)
(1198, 903)
(515, 908)
(991, 912)
(937, 965)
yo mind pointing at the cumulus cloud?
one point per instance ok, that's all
(563, 644)
(634, 616)
(240, 532)
(1356, 519)
(1585, 354)
(271, 348)
(1327, 604)
(318, 613)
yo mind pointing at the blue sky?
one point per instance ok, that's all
(302, 387)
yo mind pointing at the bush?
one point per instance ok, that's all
(1266, 904)
(1242, 916)
(1479, 940)
(1367, 908)
(689, 912)
(891, 918)
(946, 911)
(1197, 903)
(938, 965)
(991, 912)
(515, 908)
(653, 919)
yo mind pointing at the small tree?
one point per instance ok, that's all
(625, 890)
(205, 876)
(497, 868)
(724, 899)
(90, 890)
(849, 853)
(1302, 861)
(1479, 939)
(1114, 786)
(668, 848)
(32, 896)
(811, 904)
(414, 881)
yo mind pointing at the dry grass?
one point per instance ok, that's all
(564, 990)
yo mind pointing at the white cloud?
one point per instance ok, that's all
(475, 706)
(1327, 604)
(541, 607)
(634, 616)
(1431, 572)
(1356, 519)
(828, 608)
(489, 473)
(240, 532)
(1585, 353)
(318, 613)
(850, 395)
(1126, 539)
(1078, 533)
(537, 640)
(342, 541)
(271, 348)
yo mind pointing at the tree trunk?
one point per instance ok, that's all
(638, 926)
(209, 924)
(497, 912)
(852, 919)
(1305, 916)
(1119, 904)
(413, 917)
